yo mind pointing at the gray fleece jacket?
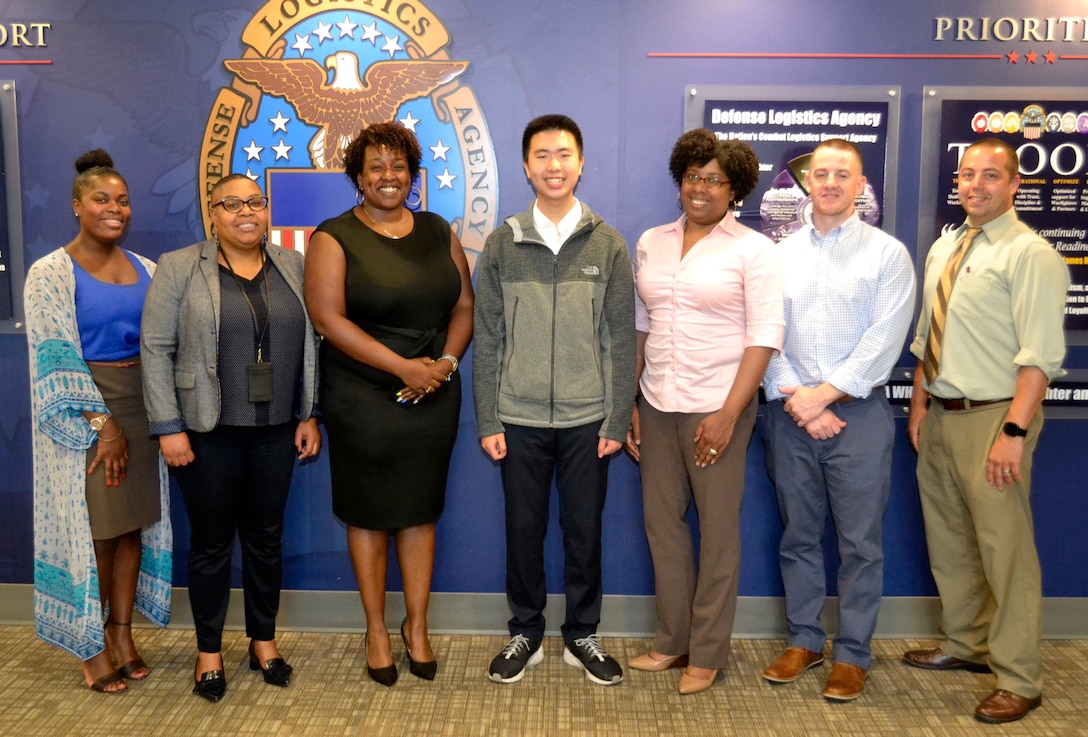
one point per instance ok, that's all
(554, 337)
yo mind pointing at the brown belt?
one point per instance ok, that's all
(847, 398)
(954, 405)
(115, 364)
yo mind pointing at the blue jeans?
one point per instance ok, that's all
(848, 477)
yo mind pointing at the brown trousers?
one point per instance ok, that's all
(695, 605)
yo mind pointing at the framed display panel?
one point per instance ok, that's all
(783, 125)
(1048, 127)
(12, 272)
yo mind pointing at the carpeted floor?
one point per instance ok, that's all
(42, 695)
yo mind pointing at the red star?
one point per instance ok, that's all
(1031, 56)
(1012, 56)
(1049, 56)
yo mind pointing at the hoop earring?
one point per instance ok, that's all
(414, 198)
(359, 199)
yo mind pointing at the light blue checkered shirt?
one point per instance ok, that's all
(849, 298)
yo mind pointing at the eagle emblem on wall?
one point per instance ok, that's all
(341, 106)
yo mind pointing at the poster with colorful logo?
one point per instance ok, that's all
(1048, 128)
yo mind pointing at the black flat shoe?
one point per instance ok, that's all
(276, 671)
(211, 685)
(427, 670)
(386, 676)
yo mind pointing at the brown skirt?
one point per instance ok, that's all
(115, 510)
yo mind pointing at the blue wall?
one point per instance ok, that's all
(139, 77)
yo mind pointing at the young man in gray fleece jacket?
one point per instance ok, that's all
(554, 382)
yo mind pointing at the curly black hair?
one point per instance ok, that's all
(391, 135)
(697, 147)
(89, 167)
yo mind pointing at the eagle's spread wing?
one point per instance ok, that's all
(389, 84)
(341, 112)
(302, 82)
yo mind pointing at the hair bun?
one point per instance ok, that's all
(92, 160)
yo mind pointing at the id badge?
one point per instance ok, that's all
(260, 382)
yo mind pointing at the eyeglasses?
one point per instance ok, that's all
(712, 182)
(234, 204)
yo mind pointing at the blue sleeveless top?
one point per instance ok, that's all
(108, 315)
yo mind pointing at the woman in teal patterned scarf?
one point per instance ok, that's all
(102, 541)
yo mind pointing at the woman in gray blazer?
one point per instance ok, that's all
(229, 359)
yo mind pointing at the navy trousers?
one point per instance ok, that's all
(533, 457)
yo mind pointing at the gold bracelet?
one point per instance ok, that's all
(110, 440)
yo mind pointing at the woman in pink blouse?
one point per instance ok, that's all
(709, 317)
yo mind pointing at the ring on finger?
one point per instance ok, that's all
(712, 452)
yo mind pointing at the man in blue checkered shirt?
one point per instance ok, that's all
(828, 430)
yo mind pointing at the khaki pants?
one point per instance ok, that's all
(982, 545)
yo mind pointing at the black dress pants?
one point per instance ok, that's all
(238, 482)
(534, 456)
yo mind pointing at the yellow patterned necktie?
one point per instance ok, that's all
(932, 359)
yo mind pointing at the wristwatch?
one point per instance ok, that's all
(97, 423)
(1013, 430)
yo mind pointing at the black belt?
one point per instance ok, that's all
(954, 405)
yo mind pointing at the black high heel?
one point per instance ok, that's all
(386, 676)
(211, 685)
(427, 670)
(276, 671)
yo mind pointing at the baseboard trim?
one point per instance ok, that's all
(621, 616)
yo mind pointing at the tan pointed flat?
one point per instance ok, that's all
(690, 684)
(652, 664)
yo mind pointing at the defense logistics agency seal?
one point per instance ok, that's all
(311, 77)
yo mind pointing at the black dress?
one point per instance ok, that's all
(390, 461)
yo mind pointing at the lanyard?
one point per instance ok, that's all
(252, 311)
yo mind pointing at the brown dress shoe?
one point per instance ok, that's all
(791, 665)
(650, 664)
(845, 682)
(1005, 706)
(937, 659)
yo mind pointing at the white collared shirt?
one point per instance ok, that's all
(555, 235)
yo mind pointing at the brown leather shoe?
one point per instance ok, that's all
(937, 659)
(845, 682)
(791, 665)
(1005, 706)
(652, 664)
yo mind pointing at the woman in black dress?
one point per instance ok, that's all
(390, 292)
